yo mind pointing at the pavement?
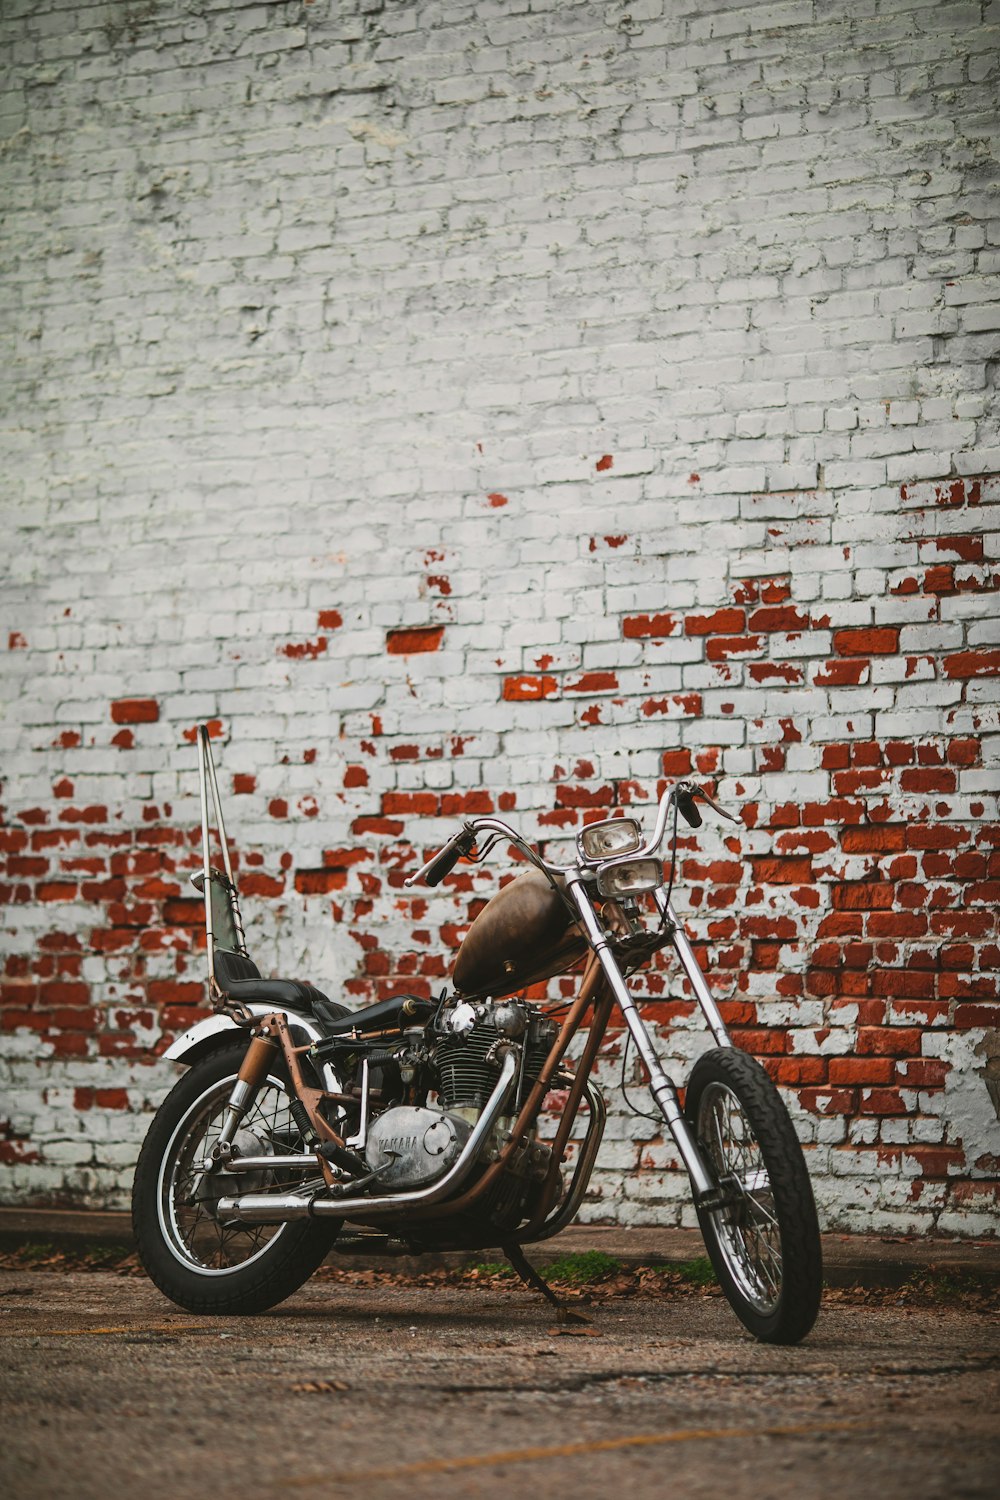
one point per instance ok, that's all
(443, 1391)
(848, 1259)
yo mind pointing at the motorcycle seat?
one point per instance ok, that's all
(240, 978)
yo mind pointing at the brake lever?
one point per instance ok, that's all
(698, 792)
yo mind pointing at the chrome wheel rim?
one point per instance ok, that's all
(186, 1195)
(747, 1229)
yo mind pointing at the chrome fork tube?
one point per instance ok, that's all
(696, 978)
(660, 1086)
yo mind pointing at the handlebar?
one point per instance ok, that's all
(445, 860)
(463, 842)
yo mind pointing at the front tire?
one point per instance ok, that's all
(764, 1244)
(200, 1263)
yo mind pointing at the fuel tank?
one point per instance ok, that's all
(523, 935)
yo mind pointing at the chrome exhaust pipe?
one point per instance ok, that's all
(273, 1208)
(309, 1163)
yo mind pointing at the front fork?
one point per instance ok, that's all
(706, 1190)
(260, 1056)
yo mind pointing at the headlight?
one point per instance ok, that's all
(627, 877)
(605, 840)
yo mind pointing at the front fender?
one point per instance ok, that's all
(204, 1035)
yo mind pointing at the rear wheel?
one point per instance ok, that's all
(198, 1260)
(764, 1242)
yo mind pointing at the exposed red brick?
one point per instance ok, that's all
(412, 640)
(964, 752)
(968, 548)
(786, 871)
(920, 779)
(881, 641)
(676, 762)
(721, 622)
(527, 689)
(828, 1101)
(783, 618)
(258, 884)
(863, 896)
(888, 1041)
(774, 671)
(972, 664)
(651, 627)
(722, 647)
(320, 882)
(881, 1102)
(390, 827)
(798, 1070)
(593, 682)
(304, 650)
(861, 1070)
(604, 463)
(886, 838)
(581, 796)
(329, 619)
(423, 804)
(460, 804)
(56, 890)
(135, 711)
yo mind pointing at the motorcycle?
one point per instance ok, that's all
(412, 1125)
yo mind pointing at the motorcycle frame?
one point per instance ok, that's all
(603, 989)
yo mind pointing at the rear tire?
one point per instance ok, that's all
(199, 1263)
(764, 1244)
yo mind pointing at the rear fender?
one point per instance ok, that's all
(205, 1035)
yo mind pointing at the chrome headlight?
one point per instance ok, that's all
(615, 836)
(628, 877)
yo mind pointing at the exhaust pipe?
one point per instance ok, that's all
(274, 1208)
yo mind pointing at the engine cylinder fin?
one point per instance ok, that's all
(466, 1075)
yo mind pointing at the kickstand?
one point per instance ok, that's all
(531, 1278)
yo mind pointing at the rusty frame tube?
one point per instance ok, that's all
(592, 978)
(553, 1178)
(275, 1028)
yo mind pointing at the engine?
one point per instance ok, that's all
(412, 1145)
(465, 1055)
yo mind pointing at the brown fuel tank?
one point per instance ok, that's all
(523, 935)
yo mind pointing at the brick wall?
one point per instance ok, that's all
(475, 406)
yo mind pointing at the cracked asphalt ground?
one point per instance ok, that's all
(399, 1389)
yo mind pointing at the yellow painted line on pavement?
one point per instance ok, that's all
(574, 1450)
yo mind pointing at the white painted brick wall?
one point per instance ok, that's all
(587, 334)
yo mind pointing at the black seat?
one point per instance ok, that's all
(239, 977)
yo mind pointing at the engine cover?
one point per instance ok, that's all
(421, 1144)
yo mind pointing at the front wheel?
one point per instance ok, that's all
(764, 1241)
(202, 1262)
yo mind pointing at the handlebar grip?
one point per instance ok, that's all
(687, 808)
(444, 862)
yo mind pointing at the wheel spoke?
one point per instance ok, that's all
(748, 1230)
(190, 1193)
